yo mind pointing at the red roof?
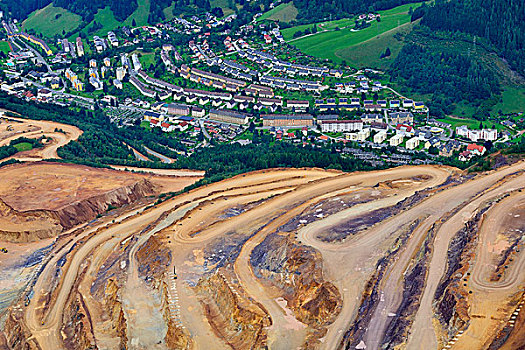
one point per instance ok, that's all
(473, 147)
(165, 125)
(154, 121)
(183, 124)
(407, 127)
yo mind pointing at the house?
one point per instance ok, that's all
(380, 137)
(176, 109)
(448, 149)
(404, 129)
(44, 93)
(412, 143)
(476, 149)
(419, 105)
(341, 125)
(395, 104)
(465, 156)
(370, 118)
(149, 116)
(396, 140)
(107, 62)
(182, 126)
(197, 112)
(475, 135)
(401, 118)
(167, 127)
(117, 83)
(433, 142)
(297, 104)
(408, 103)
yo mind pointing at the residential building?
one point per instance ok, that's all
(476, 149)
(341, 125)
(380, 137)
(121, 73)
(282, 120)
(412, 143)
(396, 140)
(401, 118)
(228, 116)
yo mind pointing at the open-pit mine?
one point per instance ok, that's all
(414, 257)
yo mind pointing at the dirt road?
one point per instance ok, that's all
(218, 227)
(37, 128)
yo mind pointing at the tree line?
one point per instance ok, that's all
(448, 77)
(502, 22)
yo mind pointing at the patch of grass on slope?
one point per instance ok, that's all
(329, 44)
(4, 47)
(283, 12)
(50, 21)
(224, 5)
(512, 100)
(368, 53)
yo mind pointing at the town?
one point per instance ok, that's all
(237, 87)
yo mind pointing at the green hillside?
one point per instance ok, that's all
(283, 13)
(51, 21)
(333, 43)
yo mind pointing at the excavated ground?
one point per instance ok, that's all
(40, 200)
(410, 257)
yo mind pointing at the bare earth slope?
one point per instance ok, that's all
(412, 257)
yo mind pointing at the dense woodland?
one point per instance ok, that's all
(447, 77)
(502, 22)
(225, 160)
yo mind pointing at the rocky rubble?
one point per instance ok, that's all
(237, 320)
(297, 271)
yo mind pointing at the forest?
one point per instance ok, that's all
(502, 22)
(448, 77)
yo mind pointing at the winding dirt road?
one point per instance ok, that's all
(218, 227)
(36, 129)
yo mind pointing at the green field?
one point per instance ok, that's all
(147, 59)
(332, 44)
(51, 21)
(140, 14)
(4, 47)
(513, 100)
(224, 5)
(471, 123)
(168, 12)
(284, 13)
(368, 53)
(23, 146)
(328, 25)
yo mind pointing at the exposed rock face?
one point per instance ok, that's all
(88, 209)
(154, 257)
(371, 293)
(451, 298)
(297, 271)
(17, 334)
(176, 337)
(27, 226)
(115, 312)
(38, 224)
(77, 329)
(240, 322)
